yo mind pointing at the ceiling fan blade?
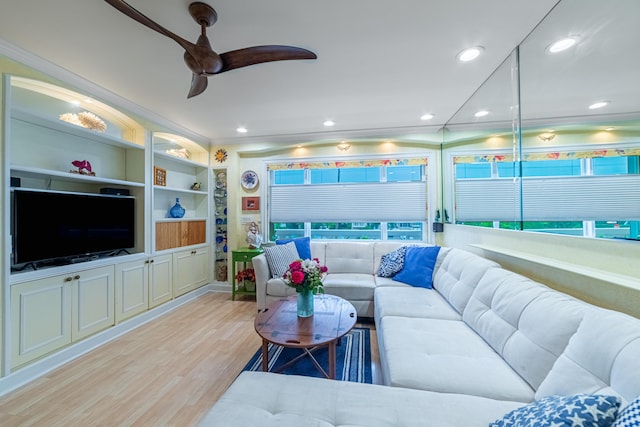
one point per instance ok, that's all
(134, 14)
(259, 54)
(198, 85)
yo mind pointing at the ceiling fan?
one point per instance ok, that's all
(200, 57)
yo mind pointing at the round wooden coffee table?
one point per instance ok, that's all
(279, 324)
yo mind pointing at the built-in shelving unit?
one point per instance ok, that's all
(220, 205)
(181, 172)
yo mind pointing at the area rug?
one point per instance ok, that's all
(353, 359)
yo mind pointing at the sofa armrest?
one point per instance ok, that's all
(263, 274)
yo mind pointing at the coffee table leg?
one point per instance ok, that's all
(332, 360)
(265, 355)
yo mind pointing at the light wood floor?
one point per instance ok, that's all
(168, 372)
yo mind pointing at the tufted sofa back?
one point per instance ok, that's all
(456, 274)
(525, 322)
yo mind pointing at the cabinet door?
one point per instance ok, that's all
(190, 270)
(160, 280)
(132, 289)
(40, 318)
(93, 303)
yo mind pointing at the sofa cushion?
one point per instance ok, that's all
(602, 357)
(581, 409)
(279, 257)
(266, 399)
(350, 286)
(349, 257)
(276, 287)
(409, 301)
(445, 356)
(303, 246)
(391, 263)
(419, 263)
(525, 322)
(457, 273)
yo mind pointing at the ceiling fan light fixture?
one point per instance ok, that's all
(470, 54)
(562, 44)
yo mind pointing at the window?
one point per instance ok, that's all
(592, 194)
(356, 200)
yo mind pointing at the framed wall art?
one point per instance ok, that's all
(159, 176)
(251, 203)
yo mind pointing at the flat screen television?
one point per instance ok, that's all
(53, 225)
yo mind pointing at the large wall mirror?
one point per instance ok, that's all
(558, 148)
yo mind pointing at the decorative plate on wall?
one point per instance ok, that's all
(249, 180)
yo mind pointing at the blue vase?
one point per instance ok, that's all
(177, 211)
(305, 303)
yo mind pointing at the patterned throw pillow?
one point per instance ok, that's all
(586, 410)
(630, 415)
(279, 257)
(392, 262)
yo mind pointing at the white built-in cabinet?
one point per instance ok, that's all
(190, 269)
(54, 307)
(52, 312)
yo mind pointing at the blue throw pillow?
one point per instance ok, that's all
(303, 245)
(630, 415)
(392, 263)
(587, 410)
(419, 262)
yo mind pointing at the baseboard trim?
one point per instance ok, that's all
(45, 365)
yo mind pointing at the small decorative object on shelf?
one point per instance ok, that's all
(86, 120)
(177, 211)
(159, 176)
(181, 153)
(305, 276)
(84, 167)
(254, 239)
(196, 186)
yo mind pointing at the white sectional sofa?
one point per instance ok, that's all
(482, 342)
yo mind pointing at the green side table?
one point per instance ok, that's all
(242, 255)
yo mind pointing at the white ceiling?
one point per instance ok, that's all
(380, 66)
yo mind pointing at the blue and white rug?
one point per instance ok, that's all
(353, 359)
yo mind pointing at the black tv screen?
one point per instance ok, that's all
(57, 225)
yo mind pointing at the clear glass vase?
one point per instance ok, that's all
(305, 303)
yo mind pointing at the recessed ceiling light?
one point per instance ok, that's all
(470, 54)
(426, 117)
(599, 104)
(241, 129)
(562, 44)
(329, 123)
(481, 113)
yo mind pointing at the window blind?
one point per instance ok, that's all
(387, 201)
(579, 198)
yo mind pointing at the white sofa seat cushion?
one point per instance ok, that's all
(457, 273)
(445, 356)
(525, 322)
(602, 357)
(412, 302)
(350, 286)
(267, 399)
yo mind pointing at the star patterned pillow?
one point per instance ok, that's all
(630, 415)
(585, 410)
